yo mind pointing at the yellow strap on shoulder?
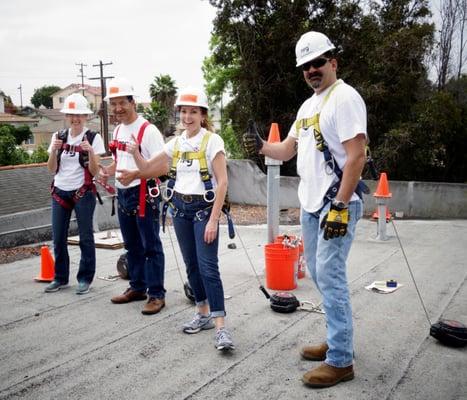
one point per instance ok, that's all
(192, 155)
(175, 155)
(306, 123)
(203, 162)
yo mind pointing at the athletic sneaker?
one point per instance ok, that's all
(198, 323)
(83, 288)
(224, 340)
(54, 286)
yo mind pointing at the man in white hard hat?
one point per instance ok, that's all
(138, 212)
(329, 136)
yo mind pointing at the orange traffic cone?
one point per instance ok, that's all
(274, 136)
(382, 190)
(47, 266)
(375, 215)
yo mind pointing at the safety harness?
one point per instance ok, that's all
(83, 157)
(209, 194)
(322, 146)
(152, 185)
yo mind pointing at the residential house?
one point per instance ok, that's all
(51, 121)
(92, 94)
(17, 120)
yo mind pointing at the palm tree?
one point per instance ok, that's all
(163, 90)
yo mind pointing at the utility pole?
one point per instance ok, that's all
(81, 75)
(103, 114)
(21, 95)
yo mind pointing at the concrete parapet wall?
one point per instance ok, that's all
(36, 226)
(248, 185)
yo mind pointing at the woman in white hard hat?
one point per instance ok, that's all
(196, 190)
(74, 158)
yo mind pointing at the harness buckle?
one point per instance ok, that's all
(71, 150)
(186, 198)
(201, 215)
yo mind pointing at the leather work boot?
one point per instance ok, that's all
(153, 306)
(128, 296)
(314, 353)
(326, 375)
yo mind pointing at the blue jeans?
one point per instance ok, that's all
(202, 264)
(326, 260)
(84, 210)
(146, 260)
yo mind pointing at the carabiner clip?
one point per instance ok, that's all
(329, 167)
(207, 196)
(167, 193)
(154, 191)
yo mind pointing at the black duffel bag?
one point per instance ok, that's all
(449, 332)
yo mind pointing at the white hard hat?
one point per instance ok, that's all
(191, 96)
(311, 45)
(76, 104)
(119, 87)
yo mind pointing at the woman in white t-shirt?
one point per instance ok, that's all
(197, 187)
(74, 158)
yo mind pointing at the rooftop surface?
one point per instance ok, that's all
(64, 346)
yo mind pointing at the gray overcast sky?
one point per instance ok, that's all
(41, 41)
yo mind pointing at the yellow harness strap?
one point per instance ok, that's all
(192, 155)
(313, 121)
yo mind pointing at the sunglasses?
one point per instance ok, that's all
(316, 63)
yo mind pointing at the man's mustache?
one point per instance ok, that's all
(314, 74)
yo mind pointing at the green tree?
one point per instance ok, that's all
(20, 133)
(162, 92)
(430, 147)
(43, 96)
(380, 51)
(139, 108)
(39, 155)
(9, 153)
(157, 114)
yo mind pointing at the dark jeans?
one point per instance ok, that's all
(200, 258)
(84, 210)
(142, 242)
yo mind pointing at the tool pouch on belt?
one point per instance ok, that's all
(449, 332)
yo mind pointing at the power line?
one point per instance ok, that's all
(103, 111)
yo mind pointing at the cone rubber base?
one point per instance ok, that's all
(40, 279)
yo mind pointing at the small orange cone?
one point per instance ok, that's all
(274, 136)
(47, 266)
(375, 215)
(382, 190)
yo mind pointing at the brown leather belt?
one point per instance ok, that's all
(188, 198)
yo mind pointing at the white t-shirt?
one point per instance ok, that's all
(188, 177)
(151, 144)
(70, 175)
(343, 117)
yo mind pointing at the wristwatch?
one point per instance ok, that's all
(340, 205)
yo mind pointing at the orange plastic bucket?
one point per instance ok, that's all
(281, 266)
